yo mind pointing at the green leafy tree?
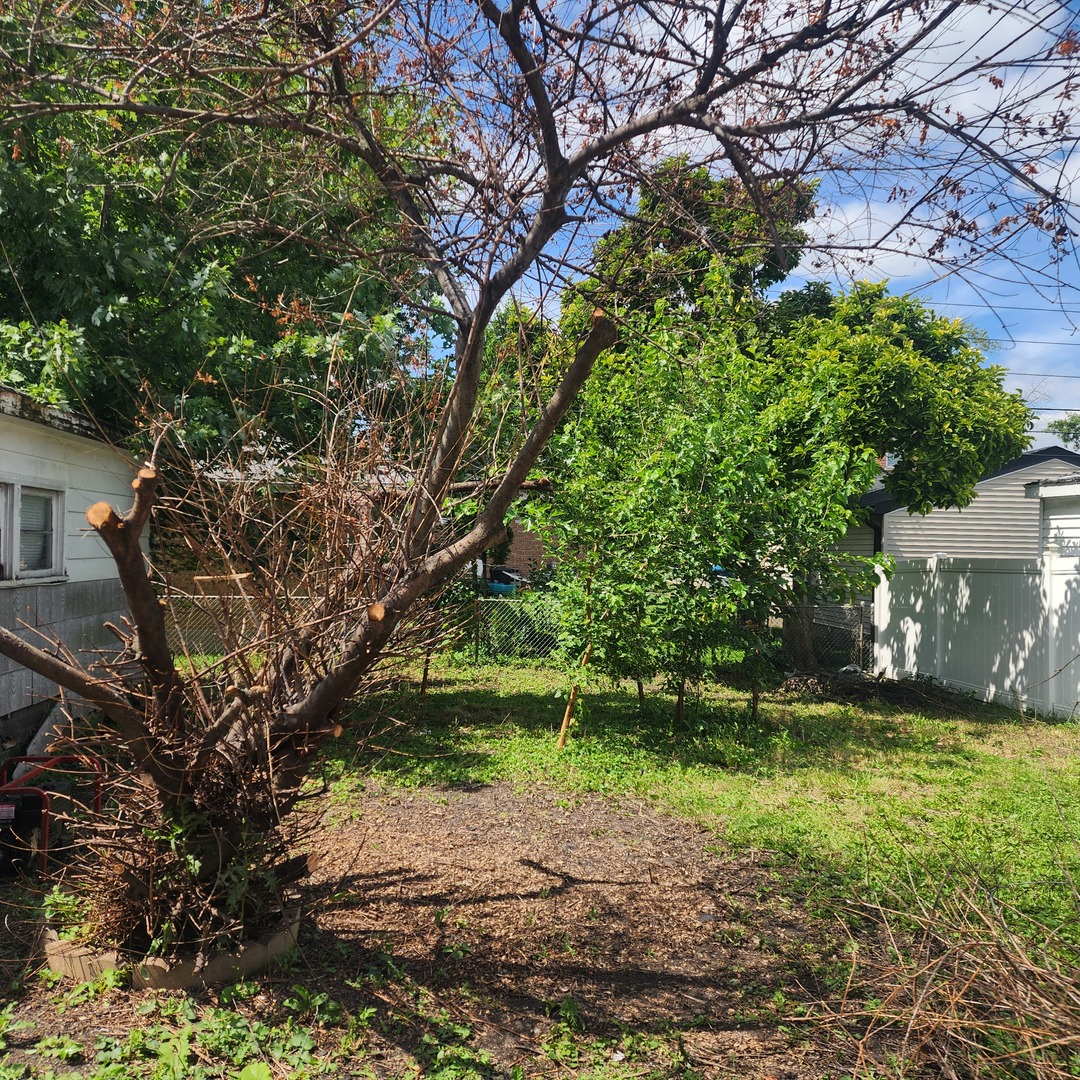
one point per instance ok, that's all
(635, 521)
(709, 442)
(1068, 428)
(910, 384)
(686, 219)
(174, 280)
(900, 382)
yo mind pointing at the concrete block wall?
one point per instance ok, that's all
(71, 612)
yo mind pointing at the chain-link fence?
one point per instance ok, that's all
(495, 628)
(199, 625)
(843, 635)
(505, 628)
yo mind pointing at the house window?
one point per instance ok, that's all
(37, 538)
(30, 537)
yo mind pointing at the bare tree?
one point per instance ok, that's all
(504, 139)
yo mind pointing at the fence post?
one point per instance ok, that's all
(879, 604)
(1051, 622)
(939, 613)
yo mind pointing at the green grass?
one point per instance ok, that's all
(863, 796)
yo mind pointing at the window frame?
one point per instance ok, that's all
(11, 494)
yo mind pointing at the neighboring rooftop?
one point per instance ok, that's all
(879, 501)
(1056, 481)
(14, 403)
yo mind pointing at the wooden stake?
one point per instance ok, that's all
(427, 669)
(569, 714)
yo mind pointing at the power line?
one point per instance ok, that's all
(1040, 374)
(990, 308)
(1031, 341)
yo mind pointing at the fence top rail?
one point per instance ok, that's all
(971, 564)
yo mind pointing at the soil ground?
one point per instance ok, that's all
(556, 937)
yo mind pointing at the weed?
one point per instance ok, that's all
(315, 1006)
(8, 1023)
(289, 962)
(257, 1070)
(241, 991)
(107, 981)
(457, 950)
(60, 1047)
(65, 913)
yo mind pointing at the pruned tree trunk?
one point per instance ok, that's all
(226, 757)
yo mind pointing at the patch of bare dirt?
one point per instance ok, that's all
(565, 937)
(531, 900)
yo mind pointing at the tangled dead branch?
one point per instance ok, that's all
(979, 987)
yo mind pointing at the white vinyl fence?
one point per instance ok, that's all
(1007, 629)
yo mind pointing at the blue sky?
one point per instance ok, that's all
(1036, 340)
(1028, 305)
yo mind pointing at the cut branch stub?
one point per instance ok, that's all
(102, 516)
(121, 533)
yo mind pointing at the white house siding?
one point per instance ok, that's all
(858, 540)
(1000, 521)
(86, 470)
(1061, 524)
(70, 607)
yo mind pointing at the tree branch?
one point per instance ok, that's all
(120, 534)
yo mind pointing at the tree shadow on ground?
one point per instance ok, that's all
(566, 938)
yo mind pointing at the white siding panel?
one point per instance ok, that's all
(1001, 522)
(1063, 665)
(905, 622)
(1061, 523)
(86, 471)
(975, 624)
(858, 540)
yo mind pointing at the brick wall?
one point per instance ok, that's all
(527, 551)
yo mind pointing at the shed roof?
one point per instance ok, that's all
(878, 501)
(1054, 487)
